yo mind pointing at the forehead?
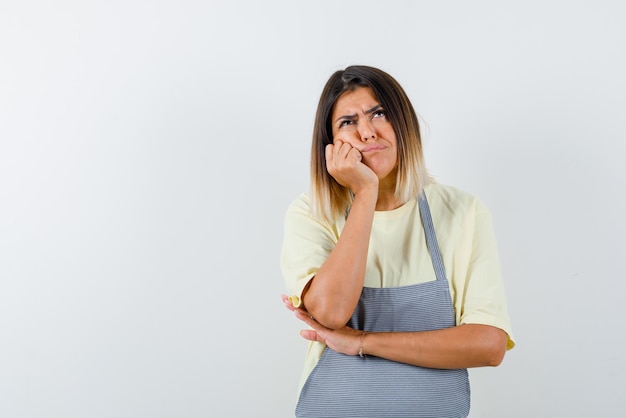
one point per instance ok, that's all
(354, 101)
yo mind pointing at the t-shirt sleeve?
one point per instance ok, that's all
(483, 300)
(307, 244)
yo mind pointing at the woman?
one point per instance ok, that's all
(397, 312)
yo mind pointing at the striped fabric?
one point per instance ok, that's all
(348, 386)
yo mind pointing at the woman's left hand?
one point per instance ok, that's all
(343, 340)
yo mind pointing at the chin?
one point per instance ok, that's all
(382, 173)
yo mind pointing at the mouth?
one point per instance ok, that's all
(372, 148)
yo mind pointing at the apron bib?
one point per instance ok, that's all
(349, 386)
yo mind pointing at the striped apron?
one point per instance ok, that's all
(349, 386)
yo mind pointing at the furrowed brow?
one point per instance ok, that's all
(374, 109)
(367, 112)
(346, 117)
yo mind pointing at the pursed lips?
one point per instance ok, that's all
(372, 148)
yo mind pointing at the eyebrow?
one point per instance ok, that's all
(367, 112)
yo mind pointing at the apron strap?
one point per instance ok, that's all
(431, 238)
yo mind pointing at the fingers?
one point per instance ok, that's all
(345, 163)
(306, 318)
(307, 334)
(287, 302)
(328, 151)
(312, 335)
(341, 151)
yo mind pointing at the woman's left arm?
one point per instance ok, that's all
(463, 346)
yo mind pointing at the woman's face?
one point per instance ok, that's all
(359, 119)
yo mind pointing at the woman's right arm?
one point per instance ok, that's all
(333, 293)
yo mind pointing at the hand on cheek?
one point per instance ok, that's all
(345, 163)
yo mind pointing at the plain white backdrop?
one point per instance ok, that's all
(149, 149)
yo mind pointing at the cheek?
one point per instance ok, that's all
(351, 138)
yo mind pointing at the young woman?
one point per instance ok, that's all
(397, 277)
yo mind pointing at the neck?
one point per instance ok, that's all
(387, 199)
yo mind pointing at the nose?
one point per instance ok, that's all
(366, 130)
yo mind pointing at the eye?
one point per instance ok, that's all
(346, 122)
(380, 113)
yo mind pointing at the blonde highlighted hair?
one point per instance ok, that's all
(329, 198)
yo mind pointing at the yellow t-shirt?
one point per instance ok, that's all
(398, 255)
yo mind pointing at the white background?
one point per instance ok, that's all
(149, 149)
